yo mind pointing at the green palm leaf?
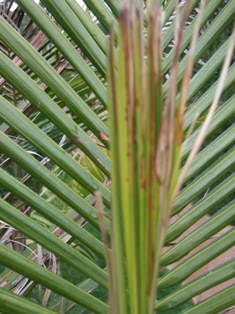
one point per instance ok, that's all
(54, 106)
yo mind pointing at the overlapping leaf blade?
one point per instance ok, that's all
(214, 161)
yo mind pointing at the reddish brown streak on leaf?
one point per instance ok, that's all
(78, 139)
(103, 137)
(143, 180)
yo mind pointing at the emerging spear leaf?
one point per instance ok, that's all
(146, 143)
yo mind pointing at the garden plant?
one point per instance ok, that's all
(117, 156)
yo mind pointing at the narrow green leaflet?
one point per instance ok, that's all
(203, 283)
(48, 279)
(49, 241)
(10, 303)
(50, 212)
